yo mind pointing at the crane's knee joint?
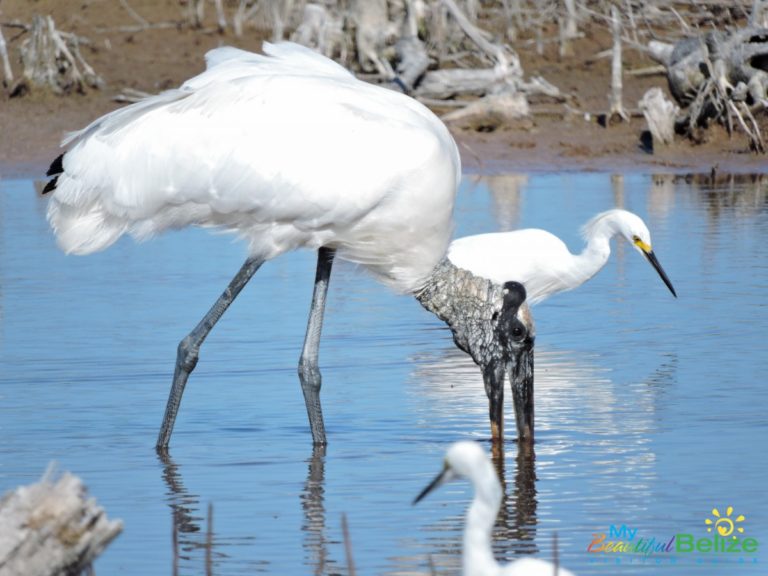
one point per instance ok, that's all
(309, 373)
(187, 354)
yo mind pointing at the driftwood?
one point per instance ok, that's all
(730, 59)
(719, 76)
(449, 83)
(660, 114)
(52, 61)
(322, 30)
(492, 111)
(374, 36)
(52, 528)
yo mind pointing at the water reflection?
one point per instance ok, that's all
(313, 526)
(193, 534)
(722, 194)
(582, 415)
(186, 521)
(506, 191)
(515, 530)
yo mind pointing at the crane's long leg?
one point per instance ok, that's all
(309, 371)
(189, 348)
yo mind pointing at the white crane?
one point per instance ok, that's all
(543, 263)
(468, 460)
(288, 151)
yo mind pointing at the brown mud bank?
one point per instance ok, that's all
(557, 137)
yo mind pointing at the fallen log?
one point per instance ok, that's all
(52, 528)
(491, 111)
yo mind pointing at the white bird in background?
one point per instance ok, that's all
(290, 150)
(543, 263)
(468, 460)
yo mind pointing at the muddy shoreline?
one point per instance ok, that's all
(558, 137)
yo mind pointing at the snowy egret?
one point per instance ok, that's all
(543, 263)
(468, 460)
(289, 150)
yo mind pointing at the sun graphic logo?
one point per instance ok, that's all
(724, 525)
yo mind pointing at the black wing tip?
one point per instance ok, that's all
(57, 166)
(55, 169)
(51, 186)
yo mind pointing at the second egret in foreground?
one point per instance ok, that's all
(543, 263)
(469, 460)
(289, 150)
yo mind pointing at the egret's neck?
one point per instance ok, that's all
(596, 253)
(481, 517)
(467, 303)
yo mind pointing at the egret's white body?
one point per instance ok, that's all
(369, 172)
(542, 262)
(468, 460)
(288, 150)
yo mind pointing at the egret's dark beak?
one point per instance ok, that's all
(655, 263)
(439, 480)
(651, 257)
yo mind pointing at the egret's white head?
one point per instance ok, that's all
(463, 460)
(633, 229)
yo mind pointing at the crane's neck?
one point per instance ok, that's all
(478, 557)
(467, 303)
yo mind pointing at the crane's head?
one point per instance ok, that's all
(636, 233)
(493, 325)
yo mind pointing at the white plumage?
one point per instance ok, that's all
(543, 263)
(468, 460)
(287, 150)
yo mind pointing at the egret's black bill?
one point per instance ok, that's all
(439, 479)
(655, 263)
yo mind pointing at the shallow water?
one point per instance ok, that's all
(650, 410)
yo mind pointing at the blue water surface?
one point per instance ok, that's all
(650, 409)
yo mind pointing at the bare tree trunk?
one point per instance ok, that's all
(568, 29)
(757, 17)
(7, 72)
(412, 56)
(221, 18)
(617, 108)
(196, 13)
